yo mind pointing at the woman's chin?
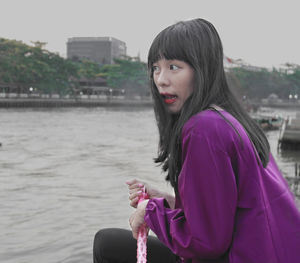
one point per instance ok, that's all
(173, 108)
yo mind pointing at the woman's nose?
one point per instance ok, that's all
(162, 79)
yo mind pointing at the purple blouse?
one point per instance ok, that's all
(229, 207)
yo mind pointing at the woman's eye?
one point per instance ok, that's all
(173, 67)
(155, 68)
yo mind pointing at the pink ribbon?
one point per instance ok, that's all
(142, 235)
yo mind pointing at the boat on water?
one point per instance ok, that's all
(267, 123)
(290, 133)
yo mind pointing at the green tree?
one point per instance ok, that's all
(259, 84)
(129, 74)
(88, 69)
(293, 77)
(23, 66)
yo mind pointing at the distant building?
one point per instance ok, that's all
(101, 50)
(239, 63)
(272, 99)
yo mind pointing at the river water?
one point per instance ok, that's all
(63, 173)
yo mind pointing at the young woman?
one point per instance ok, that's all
(231, 202)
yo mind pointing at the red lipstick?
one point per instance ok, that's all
(170, 101)
(169, 98)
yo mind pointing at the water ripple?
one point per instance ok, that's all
(62, 177)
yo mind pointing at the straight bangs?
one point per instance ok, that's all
(172, 43)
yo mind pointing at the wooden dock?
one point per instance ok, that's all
(294, 181)
(294, 185)
(268, 123)
(289, 137)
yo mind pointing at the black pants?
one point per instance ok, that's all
(114, 245)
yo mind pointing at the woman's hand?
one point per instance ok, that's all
(136, 187)
(137, 218)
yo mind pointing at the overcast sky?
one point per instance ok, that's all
(261, 32)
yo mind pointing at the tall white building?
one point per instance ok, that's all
(101, 50)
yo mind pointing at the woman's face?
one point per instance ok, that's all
(174, 81)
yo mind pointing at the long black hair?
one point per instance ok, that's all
(197, 43)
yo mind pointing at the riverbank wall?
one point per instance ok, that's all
(77, 102)
(102, 101)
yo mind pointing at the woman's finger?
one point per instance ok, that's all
(131, 191)
(130, 182)
(134, 202)
(134, 195)
(135, 186)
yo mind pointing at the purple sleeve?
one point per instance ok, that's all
(207, 188)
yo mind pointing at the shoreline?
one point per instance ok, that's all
(78, 102)
(94, 101)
